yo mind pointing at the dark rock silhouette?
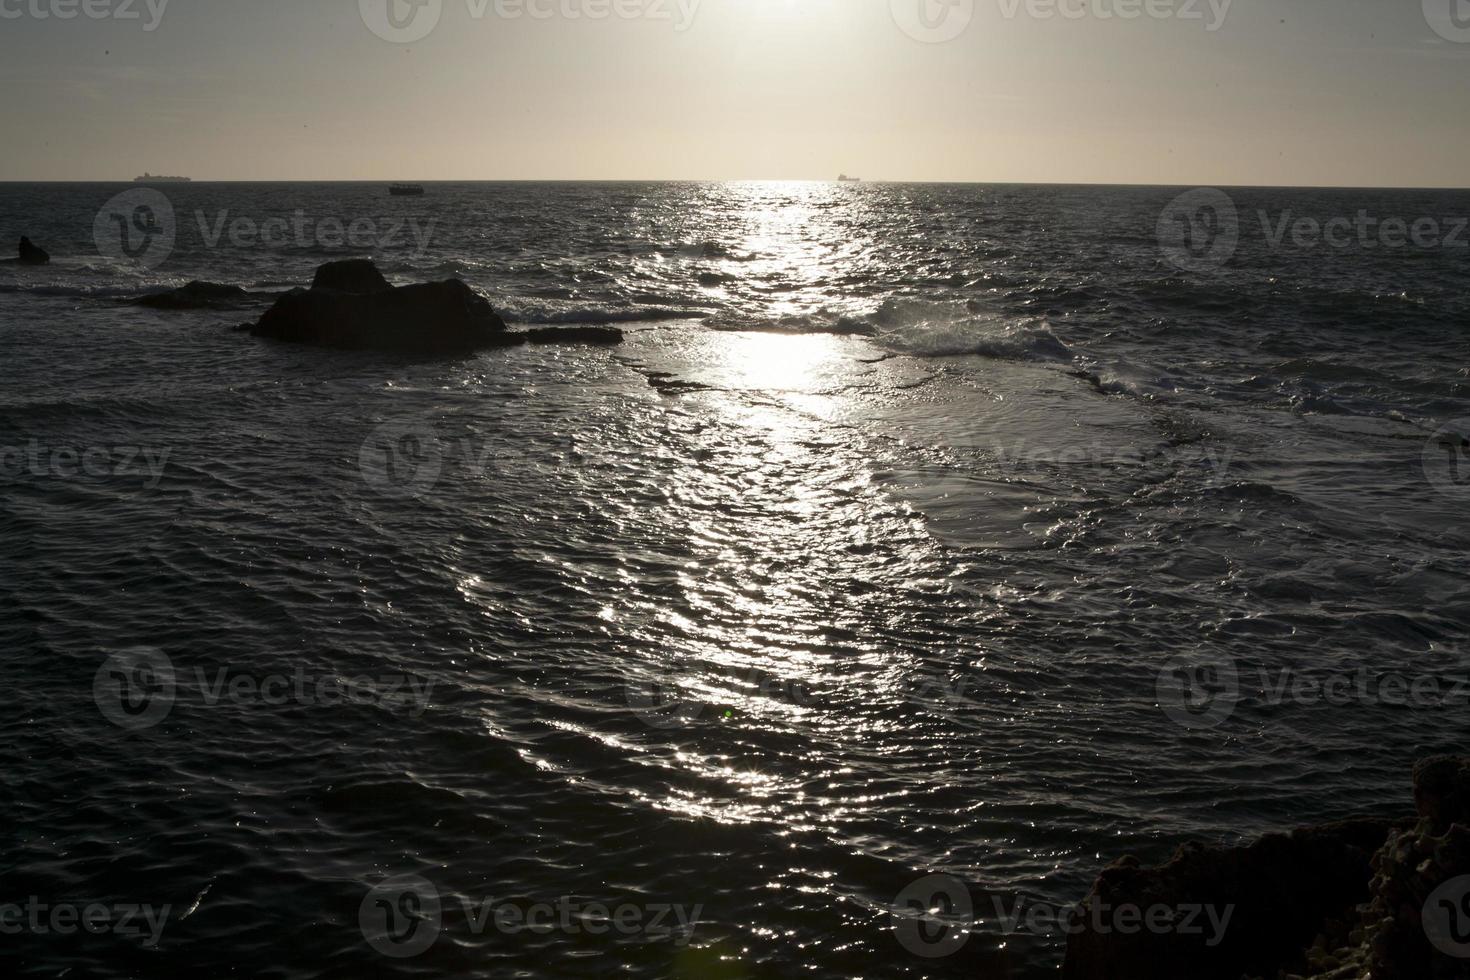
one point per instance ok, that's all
(358, 276)
(196, 296)
(572, 335)
(352, 307)
(429, 318)
(31, 254)
(1390, 938)
(1336, 901)
(1283, 889)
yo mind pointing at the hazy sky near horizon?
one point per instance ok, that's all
(1323, 92)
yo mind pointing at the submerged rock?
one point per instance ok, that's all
(573, 335)
(1364, 898)
(31, 254)
(351, 306)
(196, 296)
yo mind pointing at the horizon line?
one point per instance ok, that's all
(752, 180)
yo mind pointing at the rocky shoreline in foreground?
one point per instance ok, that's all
(1363, 899)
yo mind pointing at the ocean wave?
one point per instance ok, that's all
(928, 328)
(514, 313)
(80, 291)
(819, 322)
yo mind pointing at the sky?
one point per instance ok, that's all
(1275, 92)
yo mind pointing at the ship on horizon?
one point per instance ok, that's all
(148, 178)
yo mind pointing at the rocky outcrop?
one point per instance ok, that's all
(1346, 901)
(1416, 926)
(1278, 894)
(429, 318)
(358, 276)
(31, 254)
(352, 307)
(196, 296)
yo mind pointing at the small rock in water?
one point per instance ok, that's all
(195, 296)
(32, 254)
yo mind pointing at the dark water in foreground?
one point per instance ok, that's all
(744, 622)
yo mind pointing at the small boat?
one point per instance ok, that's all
(845, 179)
(406, 190)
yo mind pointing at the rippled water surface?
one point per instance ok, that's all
(859, 561)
